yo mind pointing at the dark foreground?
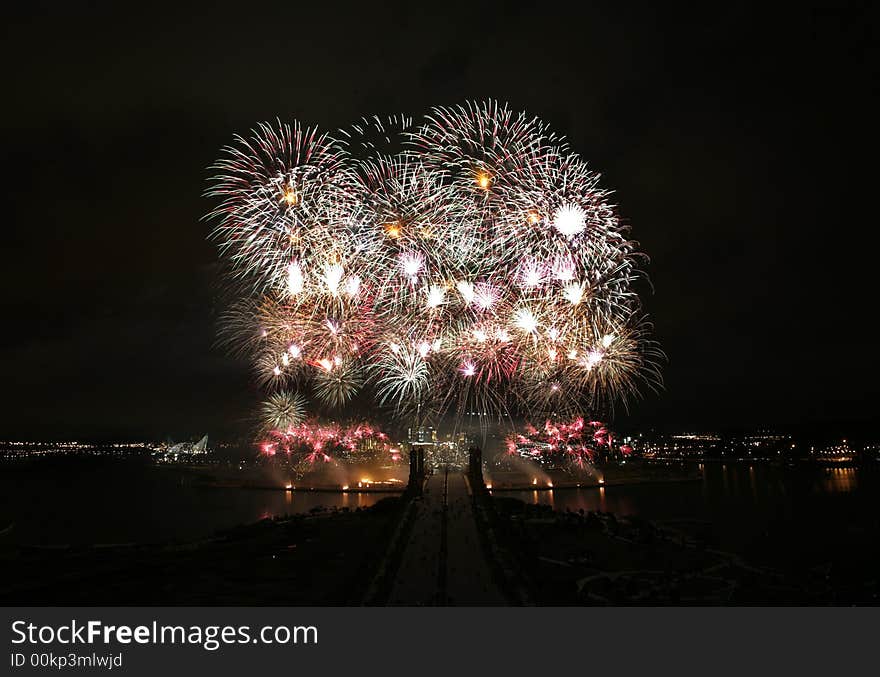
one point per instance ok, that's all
(599, 558)
(451, 545)
(323, 558)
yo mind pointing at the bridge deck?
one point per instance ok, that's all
(443, 562)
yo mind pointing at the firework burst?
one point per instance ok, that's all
(283, 410)
(465, 261)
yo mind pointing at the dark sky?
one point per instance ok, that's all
(740, 143)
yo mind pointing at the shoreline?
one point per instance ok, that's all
(592, 485)
(492, 488)
(312, 489)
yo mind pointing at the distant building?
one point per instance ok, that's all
(185, 451)
(422, 436)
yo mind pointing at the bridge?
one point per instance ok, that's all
(438, 557)
(443, 562)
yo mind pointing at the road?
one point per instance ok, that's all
(443, 562)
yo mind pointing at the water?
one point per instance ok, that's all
(83, 502)
(770, 514)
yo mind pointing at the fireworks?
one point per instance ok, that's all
(308, 442)
(465, 262)
(577, 443)
(283, 410)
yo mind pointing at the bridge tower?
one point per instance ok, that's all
(421, 440)
(475, 468)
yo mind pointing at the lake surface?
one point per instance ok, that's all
(768, 513)
(123, 502)
(765, 512)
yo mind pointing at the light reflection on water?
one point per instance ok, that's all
(839, 479)
(752, 484)
(125, 504)
(743, 507)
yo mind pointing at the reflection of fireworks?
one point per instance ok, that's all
(467, 262)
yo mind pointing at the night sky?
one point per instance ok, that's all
(740, 144)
